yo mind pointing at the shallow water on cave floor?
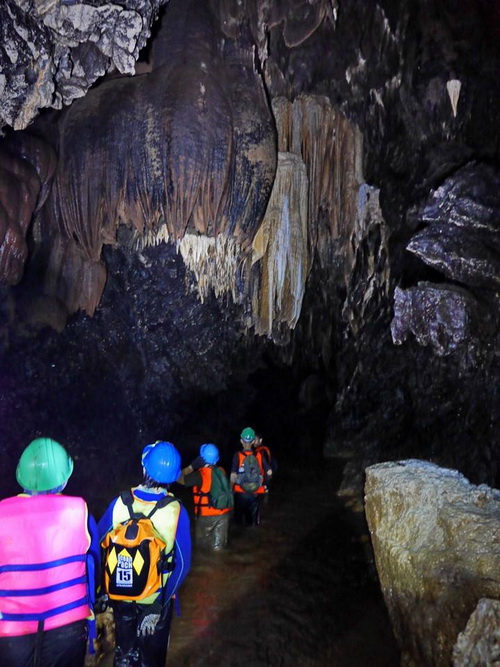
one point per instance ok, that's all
(298, 591)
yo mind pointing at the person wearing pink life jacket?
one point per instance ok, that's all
(49, 565)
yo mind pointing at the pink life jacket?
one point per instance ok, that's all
(43, 545)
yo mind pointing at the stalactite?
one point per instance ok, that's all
(214, 262)
(281, 248)
(332, 149)
(319, 177)
(72, 278)
(453, 87)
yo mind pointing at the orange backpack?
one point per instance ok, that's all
(134, 555)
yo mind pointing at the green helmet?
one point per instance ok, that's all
(248, 434)
(44, 465)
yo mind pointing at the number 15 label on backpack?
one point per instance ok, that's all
(132, 572)
(124, 574)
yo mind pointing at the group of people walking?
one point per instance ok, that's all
(58, 567)
(215, 496)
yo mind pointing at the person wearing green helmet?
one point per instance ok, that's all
(49, 564)
(44, 467)
(142, 620)
(250, 470)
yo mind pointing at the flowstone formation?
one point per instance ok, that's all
(435, 537)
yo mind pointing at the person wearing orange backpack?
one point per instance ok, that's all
(212, 497)
(143, 618)
(49, 564)
(249, 472)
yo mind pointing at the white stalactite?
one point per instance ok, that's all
(453, 87)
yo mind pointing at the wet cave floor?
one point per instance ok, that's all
(298, 591)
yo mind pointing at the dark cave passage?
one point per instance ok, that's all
(298, 591)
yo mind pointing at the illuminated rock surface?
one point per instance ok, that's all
(435, 538)
(479, 643)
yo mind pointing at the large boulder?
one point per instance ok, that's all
(436, 541)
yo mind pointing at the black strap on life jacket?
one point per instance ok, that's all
(37, 657)
(203, 494)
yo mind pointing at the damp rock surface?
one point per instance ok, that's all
(435, 538)
(479, 643)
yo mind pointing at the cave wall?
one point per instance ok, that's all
(327, 174)
(154, 362)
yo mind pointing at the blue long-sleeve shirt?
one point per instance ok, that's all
(93, 558)
(182, 545)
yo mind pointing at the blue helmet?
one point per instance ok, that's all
(209, 453)
(162, 462)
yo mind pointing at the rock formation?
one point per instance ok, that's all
(435, 537)
(479, 643)
(54, 51)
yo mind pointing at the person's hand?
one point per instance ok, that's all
(198, 463)
(148, 625)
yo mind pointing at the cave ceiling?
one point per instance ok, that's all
(312, 179)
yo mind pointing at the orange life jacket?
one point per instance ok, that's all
(241, 457)
(201, 495)
(266, 451)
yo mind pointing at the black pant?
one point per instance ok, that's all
(134, 651)
(61, 647)
(247, 508)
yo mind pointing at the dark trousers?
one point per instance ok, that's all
(134, 651)
(211, 531)
(61, 647)
(247, 508)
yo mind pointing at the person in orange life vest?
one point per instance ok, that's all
(264, 449)
(212, 524)
(143, 627)
(258, 446)
(49, 564)
(247, 497)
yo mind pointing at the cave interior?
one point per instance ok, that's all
(280, 214)
(233, 213)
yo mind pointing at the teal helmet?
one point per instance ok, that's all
(209, 453)
(162, 462)
(248, 435)
(44, 466)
